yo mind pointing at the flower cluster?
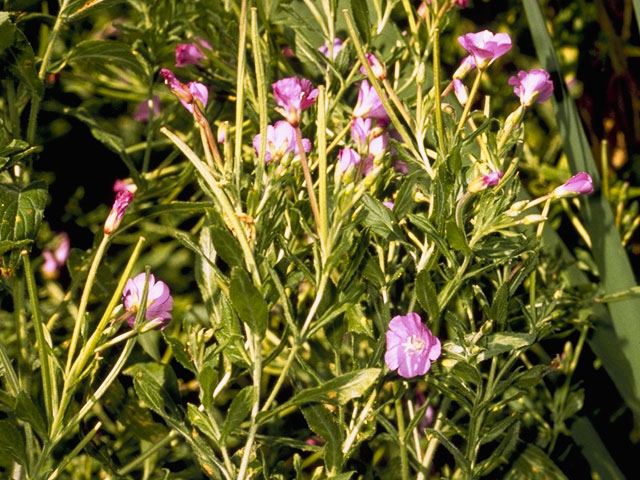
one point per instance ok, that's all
(281, 140)
(189, 94)
(293, 95)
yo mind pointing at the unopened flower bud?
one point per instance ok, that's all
(223, 130)
(379, 71)
(461, 91)
(124, 195)
(533, 219)
(580, 184)
(481, 183)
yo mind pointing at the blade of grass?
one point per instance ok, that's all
(621, 334)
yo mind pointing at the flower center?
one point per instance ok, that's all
(414, 345)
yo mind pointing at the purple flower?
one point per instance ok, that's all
(293, 95)
(337, 46)
(187, 94)
(467, 64)
(411, 347)
(281, 139)
(535, 85)
(376, 66)
(142, 110)
(348, 158)
(124, 195)
(188, 54)
(49, 268)
(55, 260)
(485, 46)
(369, 104)
(388, 204)
(371, 139)
(460, 91)
(159, 300)
(580, 184)
(489, 180)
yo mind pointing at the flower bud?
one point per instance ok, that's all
(580, 184)
(124, 195)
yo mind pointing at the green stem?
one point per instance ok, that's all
(147, 453)
(281, 377)
(237, 165)
(261, 84)
(322, 172)
(436, 87)
(84, 300)
(433, 443)
(308, 180)
(255, 409)
(77, 449)
(47, 367)
(467, 106)
(315, 304)
(404, 458)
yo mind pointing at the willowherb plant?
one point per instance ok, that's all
(363, 252)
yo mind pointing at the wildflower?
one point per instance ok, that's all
(348, 158)
(293, 95)
(281, 139)
(142, 110)
(489, 180)
(159, 300)
(54, 260)
(369, 104)
(337, 46)
(580, 184)
(485, 46)
(223, 130)
(373, 140)
(124, 195)
(535, 85)
(460, 91)
(467, 64)
(187, 94)
(376, 66)
(389, 204)
(411, 347)
(188, 54)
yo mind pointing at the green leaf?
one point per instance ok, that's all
(104, 52)
(461, 460)
(456, 237)
(227, 246)
(238, 411)
(202, 422)
(595, 450)
(498, 343)
(500, 305)
(323, 423)
(23, 66)
(12, 442)
(7, 31)
(27, 411)
(426, 294)
(534, 464)
(246, 299)
(157, 386)
(360, 12)
(21, 211)
(380, 219)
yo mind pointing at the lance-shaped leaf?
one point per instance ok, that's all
(246, 299)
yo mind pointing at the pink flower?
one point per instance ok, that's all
(411, 347)
(159, 300)
(460, 91)
(293, 95)
(55, 260)
(191, 53)
(467, 64)
(124, 195)
(376, 66)
(489, 180)
(142, 110)
(188, 54)
(187, 94)
(388, 204)
(374, 140)
(580, 184)
(369, 104)
(485, 46)
(535, 85)
(348, 158)
(337, 46)
(281, 139)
